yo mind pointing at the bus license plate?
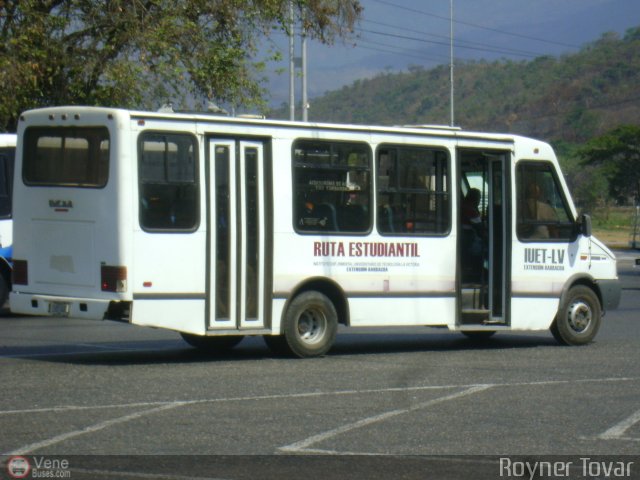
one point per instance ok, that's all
(59, 309)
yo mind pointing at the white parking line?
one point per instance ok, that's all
(303, 445)
(70, 408)
(161, 406)
(618, 430)
(90, 429)
(277, 396)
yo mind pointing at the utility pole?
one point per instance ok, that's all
(297, 62)
(451, 60)
(292, 86)
(305, 100)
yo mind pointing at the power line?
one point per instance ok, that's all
(461, 44)
(394, 52)
(457, 45)
(458, 42)
(475, 25)
(398, 50)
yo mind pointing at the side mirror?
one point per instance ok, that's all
(584, 225)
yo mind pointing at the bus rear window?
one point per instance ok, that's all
(66, 157)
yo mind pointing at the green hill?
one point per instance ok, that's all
(570, 98)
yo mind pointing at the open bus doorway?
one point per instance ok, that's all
(484, 242)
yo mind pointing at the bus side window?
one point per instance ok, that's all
(543, 213)
(168, 181)
(413, 191)
(332, 187)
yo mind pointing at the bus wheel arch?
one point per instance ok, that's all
(331, 290)
(579, 314)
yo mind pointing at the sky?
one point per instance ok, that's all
(394, 35)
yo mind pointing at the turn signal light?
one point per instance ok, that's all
(113, 278)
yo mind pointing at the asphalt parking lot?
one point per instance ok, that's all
(378, 404)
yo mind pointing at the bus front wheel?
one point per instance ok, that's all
(579, 317)
(310, 325)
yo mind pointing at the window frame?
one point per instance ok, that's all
(370, 196)
(447, 183)
(195, 143)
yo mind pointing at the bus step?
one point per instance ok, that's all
(475, 316)
(496, 321)
(473, 298)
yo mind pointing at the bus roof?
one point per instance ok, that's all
(77, 112)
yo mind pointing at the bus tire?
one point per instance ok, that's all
(212, 344)
(579, 317)
(310, 325)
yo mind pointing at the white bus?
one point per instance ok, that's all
(220, 227)
(7, 154)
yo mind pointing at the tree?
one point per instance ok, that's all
(139, 53)
(617, 154)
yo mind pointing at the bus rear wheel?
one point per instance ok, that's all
(310, 325)
(579, 317)
(212, 344)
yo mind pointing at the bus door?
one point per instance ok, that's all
(484, 243)
(236, 245)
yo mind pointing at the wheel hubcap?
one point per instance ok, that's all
(312, 325)
(580, 316)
